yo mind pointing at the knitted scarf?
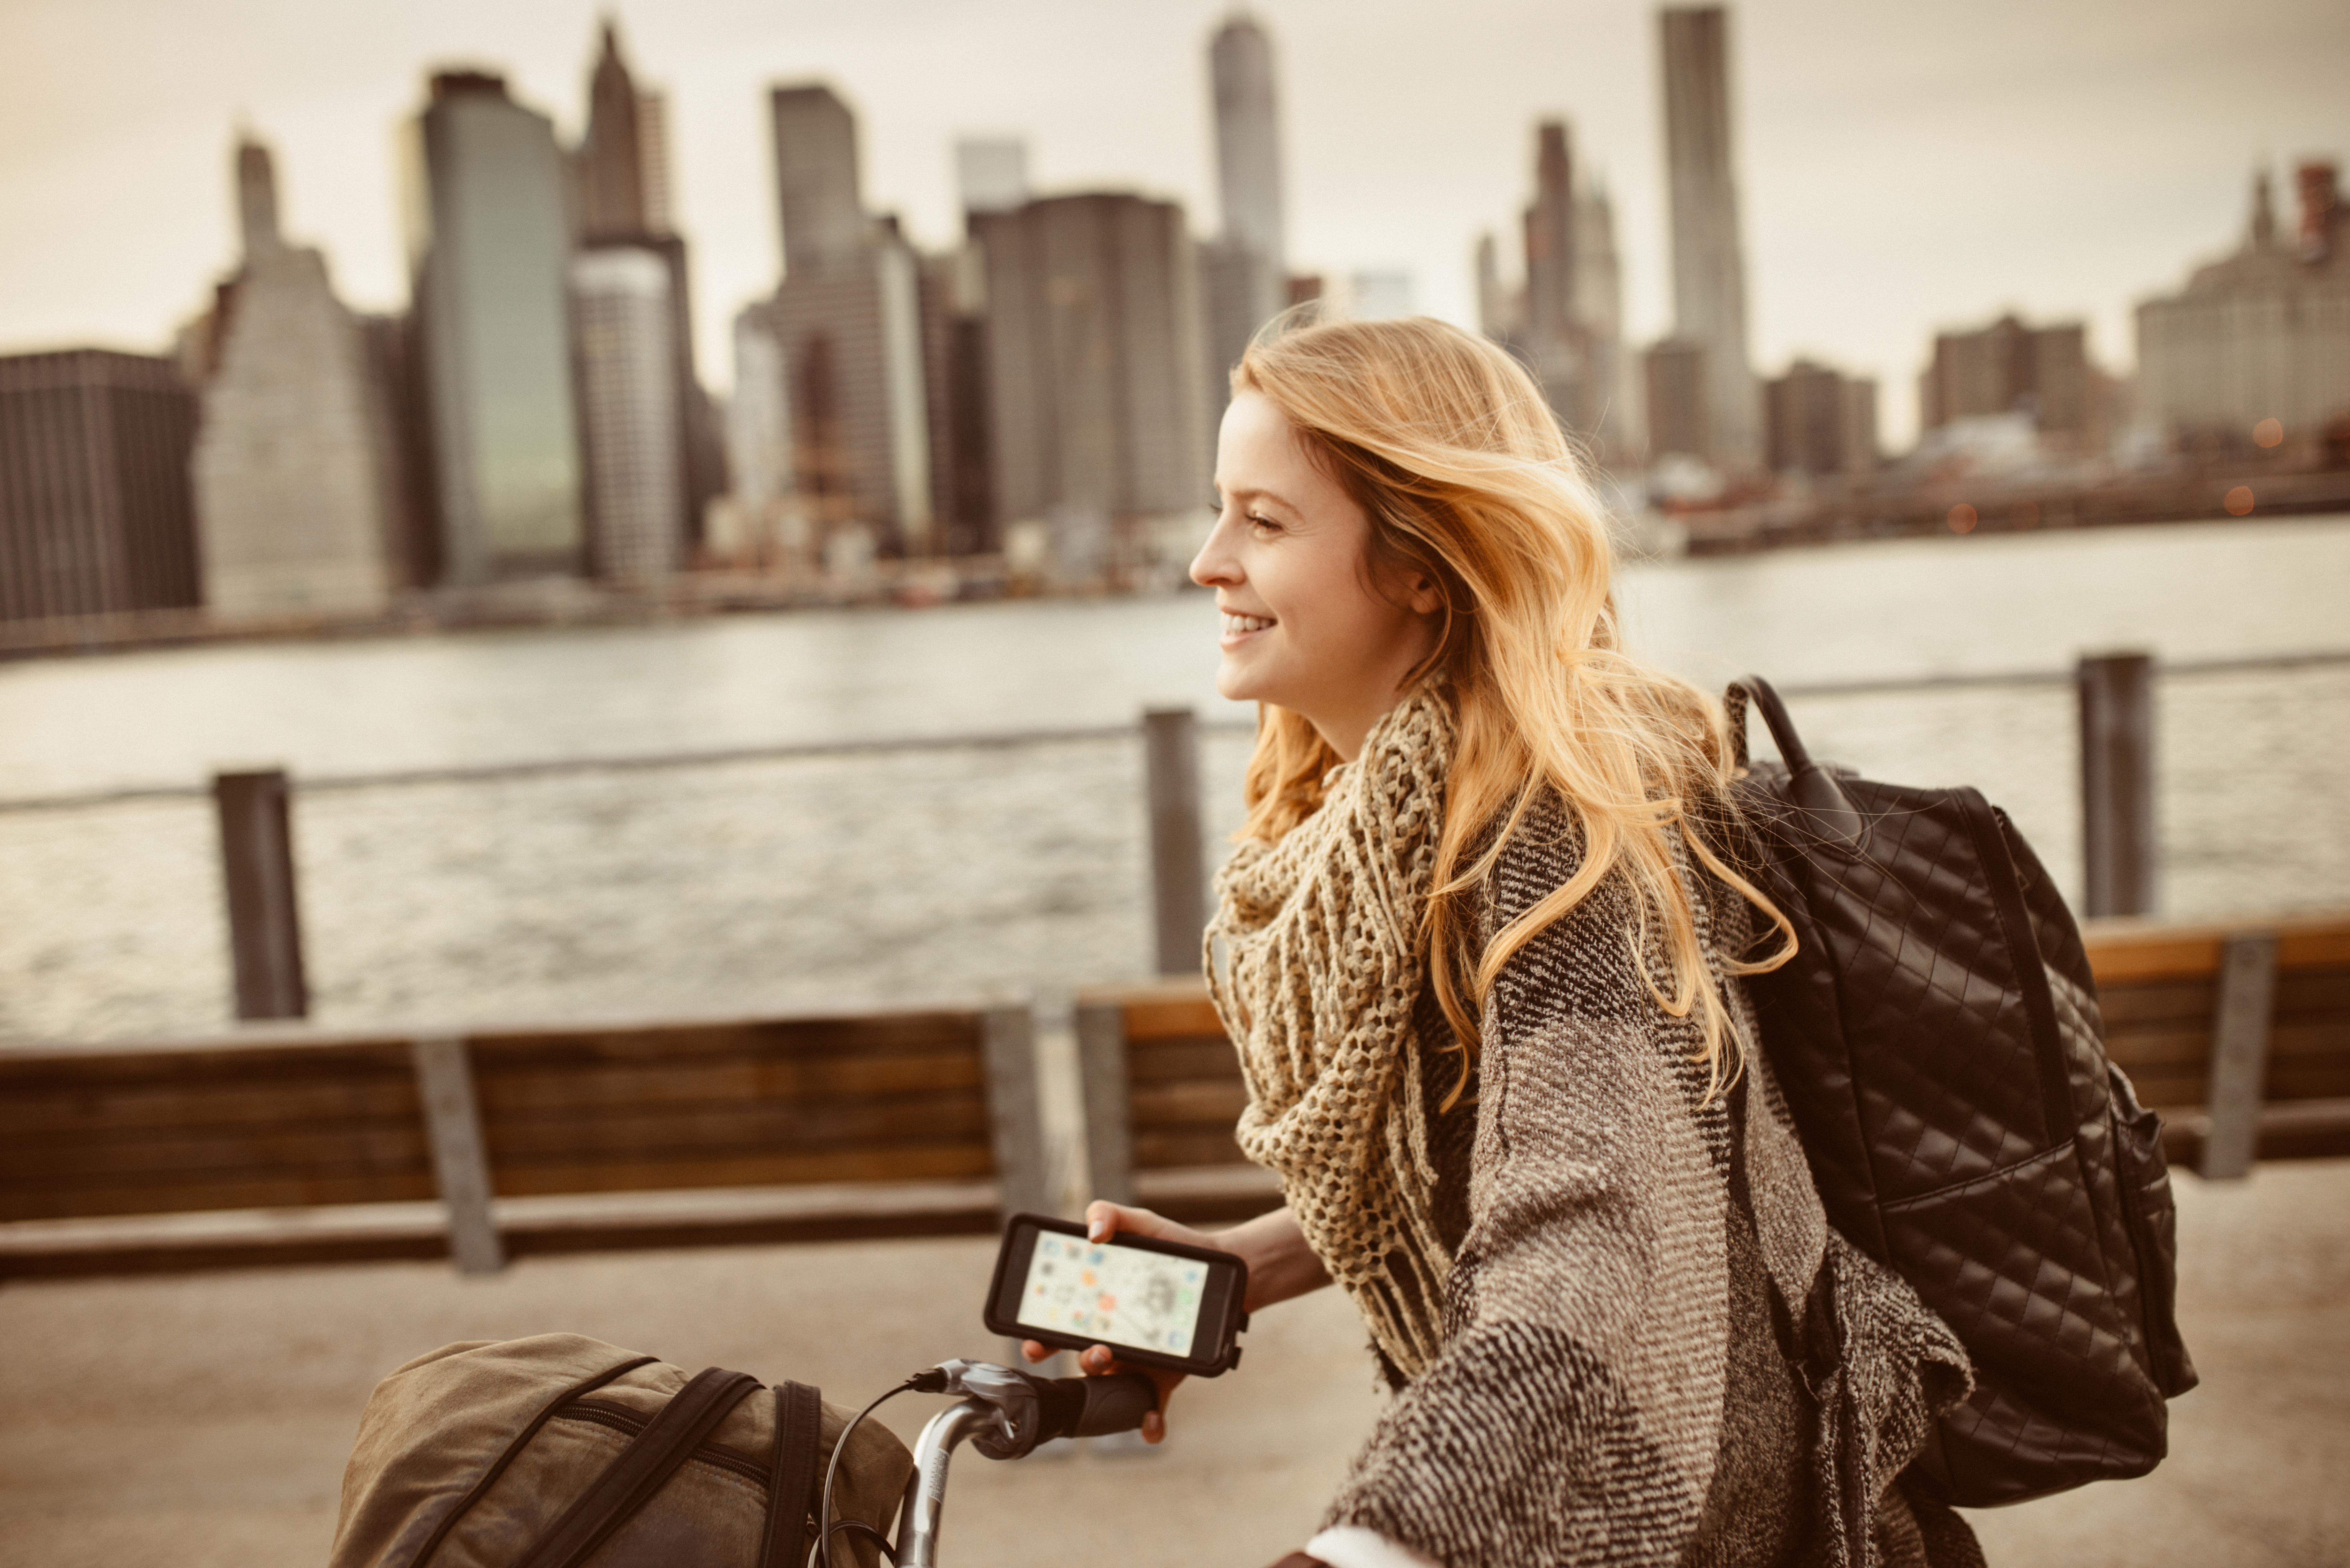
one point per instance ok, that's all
(1316, 961)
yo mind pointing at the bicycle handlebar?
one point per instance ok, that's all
(1094, 1406)
(1006, 1414)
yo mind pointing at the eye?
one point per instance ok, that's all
(1263, 524)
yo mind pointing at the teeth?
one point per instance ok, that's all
(1236, 624)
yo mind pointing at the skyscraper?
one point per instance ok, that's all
(297, 495)
(1248, 139)
(1619, 430)
(95, 516)
(609, 165)
(847, 317)
(1708, 261)
(622, 322)
(766, 526)
(1566, 319)
(491, 239)
(1094, 345)
(1497, 302)
(1551, 256)
(1244, 272)
(991, 172)
(818, 183)
(622, 196)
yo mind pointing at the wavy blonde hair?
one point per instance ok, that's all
(1448, 446)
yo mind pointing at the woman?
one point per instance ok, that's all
(1480, 949)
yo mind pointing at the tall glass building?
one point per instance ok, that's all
(490, 240)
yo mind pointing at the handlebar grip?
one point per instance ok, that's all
(1094, 1407)
(1117, 1403)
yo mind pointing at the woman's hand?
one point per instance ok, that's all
(1280, 1264)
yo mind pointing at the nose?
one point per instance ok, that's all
(1217, 565)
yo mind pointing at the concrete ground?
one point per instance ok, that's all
(203, 1420)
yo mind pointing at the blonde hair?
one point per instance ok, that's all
(1448, 446)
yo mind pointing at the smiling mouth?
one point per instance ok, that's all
(1239, 625)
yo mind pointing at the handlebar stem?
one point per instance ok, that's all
(926, 1488)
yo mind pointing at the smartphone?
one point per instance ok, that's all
(1156, 1304)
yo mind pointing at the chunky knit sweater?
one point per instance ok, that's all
(1654, 1349)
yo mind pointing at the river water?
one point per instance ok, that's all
(784, 883)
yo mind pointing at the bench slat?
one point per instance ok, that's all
(907, 1162)
(1175, 1106)
(817, 1036)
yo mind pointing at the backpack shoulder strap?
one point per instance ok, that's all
(799, 1432)
(652, 1456)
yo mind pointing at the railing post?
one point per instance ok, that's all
(265, 925)
(2117, 842)
(1179, 887)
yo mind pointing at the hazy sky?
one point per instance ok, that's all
(1905, 166)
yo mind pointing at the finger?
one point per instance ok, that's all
(1101, 1219)
(1097, 1360)
(1033, 1351)
(1154, 1427)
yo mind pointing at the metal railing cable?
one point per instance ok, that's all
(1010, 740)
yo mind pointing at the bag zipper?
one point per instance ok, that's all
(620, 1418)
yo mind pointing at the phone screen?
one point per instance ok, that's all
(1123, 1295)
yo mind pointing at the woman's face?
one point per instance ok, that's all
(1305, 625)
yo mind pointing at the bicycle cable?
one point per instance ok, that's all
(930, 1380)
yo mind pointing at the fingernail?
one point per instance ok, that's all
(1097, 1231)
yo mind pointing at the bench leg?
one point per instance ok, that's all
(452, 1125)
(1015, 1119)
(2240, 1054)
(1109, 1126)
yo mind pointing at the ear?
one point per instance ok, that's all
(1423, 595)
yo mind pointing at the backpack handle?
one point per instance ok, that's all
(1828, 811)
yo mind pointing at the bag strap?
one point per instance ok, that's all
(651, 1457)
(1765, 696)
(799, 1439)
(1830, 813)
(522, 1441)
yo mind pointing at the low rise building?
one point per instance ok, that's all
(1820, 422)
(2009, 368)
(2261, 335)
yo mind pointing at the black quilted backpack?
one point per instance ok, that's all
(1938, 1040)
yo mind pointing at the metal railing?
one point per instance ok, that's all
(2114, 694)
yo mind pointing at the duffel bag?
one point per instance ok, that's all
(543, 1452)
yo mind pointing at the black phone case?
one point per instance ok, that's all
(1226, 1334)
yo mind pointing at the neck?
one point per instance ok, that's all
(1346, 731)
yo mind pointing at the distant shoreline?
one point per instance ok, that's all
(1926, 510)
(562, 602)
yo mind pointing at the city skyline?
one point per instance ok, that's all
(1901, 175)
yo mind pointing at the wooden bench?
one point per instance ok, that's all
(1162, 1087)
(288, 1144)
(1162, 1090)
(2238, 1033)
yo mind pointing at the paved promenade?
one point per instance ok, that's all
(203, 1422)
